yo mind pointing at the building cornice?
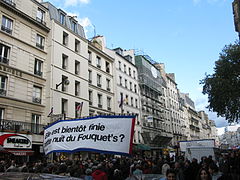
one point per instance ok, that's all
(23, 15)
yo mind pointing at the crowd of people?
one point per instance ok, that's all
(120, 168)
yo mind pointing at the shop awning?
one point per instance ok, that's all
(142, 147)
(20, 152)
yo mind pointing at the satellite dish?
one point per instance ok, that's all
(66, 82)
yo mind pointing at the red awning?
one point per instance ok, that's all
(21, 152)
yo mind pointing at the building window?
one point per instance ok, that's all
(3, 85)
(119, 65)
(90, 76)
(120, 80)
(2, 113)
(131, 101)
(74, 26)
(77, 88)
(98, 62)
(41, 16)
(35, 125)
(40, 40)
(136, 103)
(125, 83)
(89, 56)
(4, 54)
(134, 75)
(126, 99)
(62, 18)
(130, 71)
(65, 38)
(135, 88)
(109, 103)
(64, 61)
(7, 25)
(38, 67)
(64, 107)
(99, 80)
(108, 84)
(107, 67)
(99, 100)
(64, 86)
(37, 91)
(130, 86)
(90, 94)
(77, 67)
(125, 68)
(78, 109)
(77, 46)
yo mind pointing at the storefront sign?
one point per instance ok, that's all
(11, 140)
(110, 134)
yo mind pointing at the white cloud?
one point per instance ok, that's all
(75, 2)
(195, 2)
(87, 25)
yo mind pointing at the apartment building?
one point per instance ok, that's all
(100, 78)
(23, 65)
(127, 94)
(153, 118)
(67, 72)
(205, 128)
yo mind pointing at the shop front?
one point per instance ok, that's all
(16, 146)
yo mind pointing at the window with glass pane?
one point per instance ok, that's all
(62, 18)
(3, 85)
(131, 101)
(119, 65)
(77, 45)
(2, 113)
(99, 100)
(64, 61)
(41, 16)
(65, 38)
(4, 54)
(64, 107)
(35, 125)
(77, 67)
(38, 67)
(98, 61)
(90, 76)
(7, 24)
(90, 94)
(107, 67)
(74, 26)
(40, 40)
(108, 84)
(89, 56)
(99, 80)
(37, 92)
(108, 103)
(77, 88)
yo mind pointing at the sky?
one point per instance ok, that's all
(186, 35)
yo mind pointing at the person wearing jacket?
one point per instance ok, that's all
(99, 174)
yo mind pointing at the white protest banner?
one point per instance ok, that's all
(109, 134)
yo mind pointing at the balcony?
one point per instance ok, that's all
(40, 46)
(6, 29)
(3, 92)
(10, 2)
(36, 100)
(18, 126)
(41, 21)
(39, 73)
(4, 60)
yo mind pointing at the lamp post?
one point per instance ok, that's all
(64, 82)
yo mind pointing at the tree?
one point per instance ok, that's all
(223, 86)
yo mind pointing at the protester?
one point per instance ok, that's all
(203, 174)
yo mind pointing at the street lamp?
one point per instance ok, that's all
(64, 81)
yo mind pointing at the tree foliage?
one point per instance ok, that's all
(223, 86)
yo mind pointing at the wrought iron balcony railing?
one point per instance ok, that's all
(19, 126)
(4, 60)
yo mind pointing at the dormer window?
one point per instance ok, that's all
(74, 26)
(62, 18)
